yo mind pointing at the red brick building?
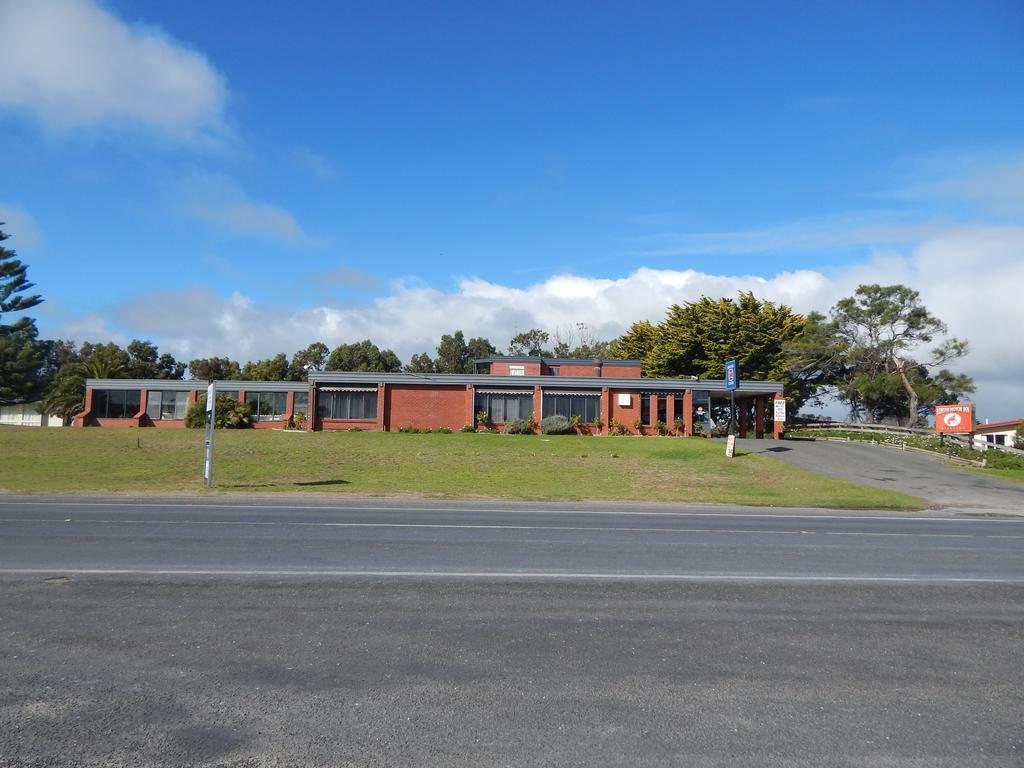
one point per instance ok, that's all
(600, 393)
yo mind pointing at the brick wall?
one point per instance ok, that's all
(423, 407)
(501, 368)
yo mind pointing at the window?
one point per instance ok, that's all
(517, 370)
(166, 405)
(663, 408)
(347, 405)
(115, 403)
(504, 406)
(645, 408)
(302, 403)
(586, 406)
(554, 370)
(267, 406)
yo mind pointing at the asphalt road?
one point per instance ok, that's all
(905, 471)
(573, 541)
(390, 634)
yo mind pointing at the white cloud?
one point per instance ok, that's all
(216, 199)
(71, 64)
(19, 225)
(970, 277)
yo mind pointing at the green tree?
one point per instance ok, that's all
(66, 394)
(636, 344)
(452, 354)
(530, 343)
(363, 356)
(879, 328)
(22, 354)
(480, 348)
(421, 363)
(1018, 438)
(312, 358)
(272, 369)
(145, 362)
(697, 338)
(217, 368)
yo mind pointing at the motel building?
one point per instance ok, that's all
(505, 388)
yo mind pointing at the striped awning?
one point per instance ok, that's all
(573, 394)
(348, 389)
(520, 392)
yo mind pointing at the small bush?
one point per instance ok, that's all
(996, 459)
(679, 424)
(574, 422)
(481, 417)
(555, 425)
(300, 419)
(518, 427)
(661, 426)
(468, 428)
(493, 430)
(597, 423)
(356, 429)
(1018, 438)
(637, 425)
(409, 430)
(616, 427)
(229, 413)
(443, 431)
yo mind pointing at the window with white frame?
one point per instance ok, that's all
(517, 370)
(504, 406)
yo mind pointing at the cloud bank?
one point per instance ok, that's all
(72, 64)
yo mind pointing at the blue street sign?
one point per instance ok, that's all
(732, 375)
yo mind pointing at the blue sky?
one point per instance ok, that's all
(244, 178)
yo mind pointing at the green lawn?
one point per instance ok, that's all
(457, 465)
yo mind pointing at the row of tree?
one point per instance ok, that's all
(880, 351)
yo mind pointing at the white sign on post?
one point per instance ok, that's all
(780, 410)
(211, 413)
(730, 446)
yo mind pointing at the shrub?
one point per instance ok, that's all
(574, 422)
(661, 426)
(409, 430)
(555, 425)
(597, 423)
(679, 424)
(356, 429)
(229, 413)
(300, 419)
(996, 459)
(518, 427)
(637, 425)
(1018, 438)
(469, 428)
(617, 428)
(481, 417)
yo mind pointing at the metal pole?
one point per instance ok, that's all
(211, 412)
(732, 412)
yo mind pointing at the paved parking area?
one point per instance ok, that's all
(904, 471)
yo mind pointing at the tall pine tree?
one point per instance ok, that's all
(22, 355)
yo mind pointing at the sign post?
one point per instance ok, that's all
(211, 409)
(779, 415)
(732, 383)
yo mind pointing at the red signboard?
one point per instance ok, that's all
(958, 417)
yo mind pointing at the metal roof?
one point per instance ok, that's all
(185, 385)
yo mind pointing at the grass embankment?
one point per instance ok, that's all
(467, 465)
(1005, 466)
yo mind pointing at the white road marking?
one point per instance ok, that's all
(545, 575)
(468, 526)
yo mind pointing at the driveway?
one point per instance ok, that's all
(904, 471)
